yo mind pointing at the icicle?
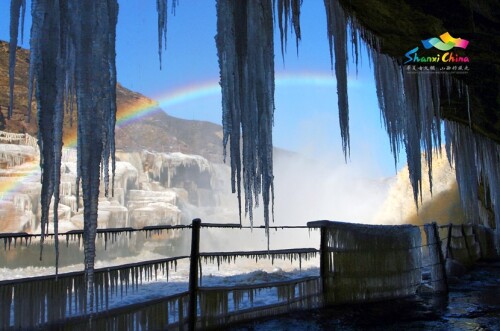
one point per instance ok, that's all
(476, 160)
(50, 62)
(246, 62)
(288, 11)
(162, 10)
(337, 39)
(17, 10)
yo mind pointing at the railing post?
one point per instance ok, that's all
(324, 261)
(449, 252)
(193, 274)
(441, 257)
(466, 242)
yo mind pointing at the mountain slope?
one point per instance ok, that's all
(156, 131)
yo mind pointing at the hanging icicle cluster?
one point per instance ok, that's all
(288, 12)
(245, 48)
(477, 163)
(162, 10)
(410, 105)
(280, 254)
(410, 108)
(73, 57)
(17, 10)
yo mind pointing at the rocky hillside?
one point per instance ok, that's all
(156, 131)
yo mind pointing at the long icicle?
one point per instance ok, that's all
(81, 45)
(17, 10)
(94, 106)
(245, 48)
(337, 39)
(288, 11)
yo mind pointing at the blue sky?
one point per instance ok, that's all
(306, 117)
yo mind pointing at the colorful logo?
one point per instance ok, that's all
(445, 44)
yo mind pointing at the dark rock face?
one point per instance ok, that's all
(401, 25)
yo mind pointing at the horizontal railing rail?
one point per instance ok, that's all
(96, 271)
(152, 228)
(258, 285)
(442, 242)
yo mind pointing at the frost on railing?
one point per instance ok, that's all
(358, 263)
(370, 262)
(438, 280)
(297, 254)
(166, 313)
(28, 303)
(106, 236)
(18, 138)
(222, 305)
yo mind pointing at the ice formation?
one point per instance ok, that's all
(53, 301)
(282, 254)
(164, 166)
(477, 163)
(371, 262)
(410, 105)
(288, 11)
(337, 39)
(17, 10)
(245, 48)
(162, 10)
(222, 305)
(438, 275)
(78, 61)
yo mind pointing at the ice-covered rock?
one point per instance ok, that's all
(171, 169)
(155, 213)
(149, 189)
(118, 215)
(15, 155)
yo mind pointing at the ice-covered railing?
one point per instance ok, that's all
(220, 306)
(19, 138)
(297, 254)
(357, 263)
(369, 262)
(29, 302)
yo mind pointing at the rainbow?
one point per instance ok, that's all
(9, 185)
(134, 112)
